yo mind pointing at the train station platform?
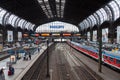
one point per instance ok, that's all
(21, 66)
(64, 63)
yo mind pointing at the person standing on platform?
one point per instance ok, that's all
(11, 70)
(2, 76)
(38, 49)
(29, 55)
(24, 56)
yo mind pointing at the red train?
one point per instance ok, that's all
(110, 58)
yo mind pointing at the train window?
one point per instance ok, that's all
(111, 59)
(118, 61)
(105, 57)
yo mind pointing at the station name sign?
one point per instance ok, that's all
(58, 27)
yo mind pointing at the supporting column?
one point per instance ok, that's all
(15, 35)
(81, 34)
(98, 35)
(1, 40)
(100, 49)
(4, 33)
(85, 35)
(91, 35)
(48, 75)
(23, 32)
(1, 35)
(111, 33)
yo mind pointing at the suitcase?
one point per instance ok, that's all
(9, 73)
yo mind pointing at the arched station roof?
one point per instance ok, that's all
(7, 18)
(39, 12)
(109, 12)
(29, 14)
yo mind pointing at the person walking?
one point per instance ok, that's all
(2, 76)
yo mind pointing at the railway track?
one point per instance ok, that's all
(88, 70)
(83, 71)
(60, 67)
(38, 69)
(64, 65)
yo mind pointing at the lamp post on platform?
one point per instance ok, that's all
(100, 49)
(48, 75)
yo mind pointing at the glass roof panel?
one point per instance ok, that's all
(2, 13)
(58, 7)
(24, 25)
(6, 18)
(27, 25)
(105, 16)
(89, 20)
(57, 1)
(17, 21)
(62, 7)
(31, 26)
(46, 7)
(94, 22)
(81, 25)
(92, 19)
(109, 13)
(97, 19)
(13, 21)
(20, 24)
(10, 19)
(101, 17)
(87, 23)
(118, 2)
(1, 9)
(115, 9)
(45, 0)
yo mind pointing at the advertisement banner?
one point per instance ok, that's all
(19, 36)
(1, 47)
(88, 36)
(105, 35)
(10, 36)
(95, 35)
(118, 34)
(1, 37)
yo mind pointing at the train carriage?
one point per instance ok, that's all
(108, 57)
(112, 59)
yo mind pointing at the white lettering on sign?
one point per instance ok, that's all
(56, 26)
